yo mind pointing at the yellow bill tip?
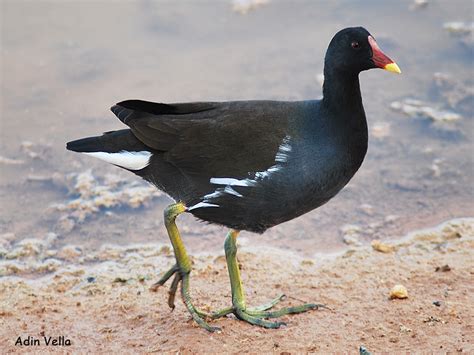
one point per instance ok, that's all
(393, 67)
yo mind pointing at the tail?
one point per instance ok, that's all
(120, 148)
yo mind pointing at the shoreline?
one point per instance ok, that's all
(107, 306)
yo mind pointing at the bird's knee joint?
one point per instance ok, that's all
(172, 211)
(185, 270)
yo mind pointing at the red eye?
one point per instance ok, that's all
(355, 45)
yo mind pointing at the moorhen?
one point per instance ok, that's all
(247, 165)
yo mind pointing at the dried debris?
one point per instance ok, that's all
(404, 329)
(382, 247)
(351, 234)
(444, 268)
(435, 168)
(416, 109)
(459, 28)
(453, 91)
(449, 232)
(354, 235)
(30, 255)
(244, 6)
(9, 161)
(36, 150)
(381, 130)
(39, 255)
(121, 280)
(367, 209)
(69, 252)
(398, 292)
(94, 194)
(433, 320)
(55, 178)
(464, 31)
(7, 237)
(350, 229)
(419, 4)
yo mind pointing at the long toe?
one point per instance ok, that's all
(195, 313)
(268, 305)
(243, 315)
(284, 311)
(166, 276)
(173, 289)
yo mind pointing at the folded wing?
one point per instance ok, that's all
(210, 139)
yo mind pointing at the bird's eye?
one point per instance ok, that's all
(355, 45)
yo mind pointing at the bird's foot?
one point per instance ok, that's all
(174, 284)
(182, 276)
(258, 315)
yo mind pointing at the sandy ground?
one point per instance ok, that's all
(106, 305)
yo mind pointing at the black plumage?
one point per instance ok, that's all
(251, 165)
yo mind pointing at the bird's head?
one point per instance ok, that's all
(353, 50)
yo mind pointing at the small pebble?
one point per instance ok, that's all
(367, 209)
(398, 292)
(404, 329)
(444, 268)
(419, 4)
(120, 280)
(244, 6)
(381, 130)
(9, 161)
(69, 252)
(459, 28)
(381, 247)
(437, 303)
(351, 240)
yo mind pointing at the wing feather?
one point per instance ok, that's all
(209, 139)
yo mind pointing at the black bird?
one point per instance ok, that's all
(247, 165)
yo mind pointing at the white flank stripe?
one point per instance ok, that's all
(125, 159)
(285, 146)
(264, 174)
(231, 191)
(202, 205)
(231, 182)
(281, 157)
(283, 150)
(214, 194)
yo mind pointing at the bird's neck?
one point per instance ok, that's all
(343, 102)
(341, 91)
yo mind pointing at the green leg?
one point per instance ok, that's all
(255, 315)
(182, 269)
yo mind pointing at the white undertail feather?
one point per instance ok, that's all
(125, 159)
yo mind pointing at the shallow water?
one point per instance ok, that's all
(64, 64)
